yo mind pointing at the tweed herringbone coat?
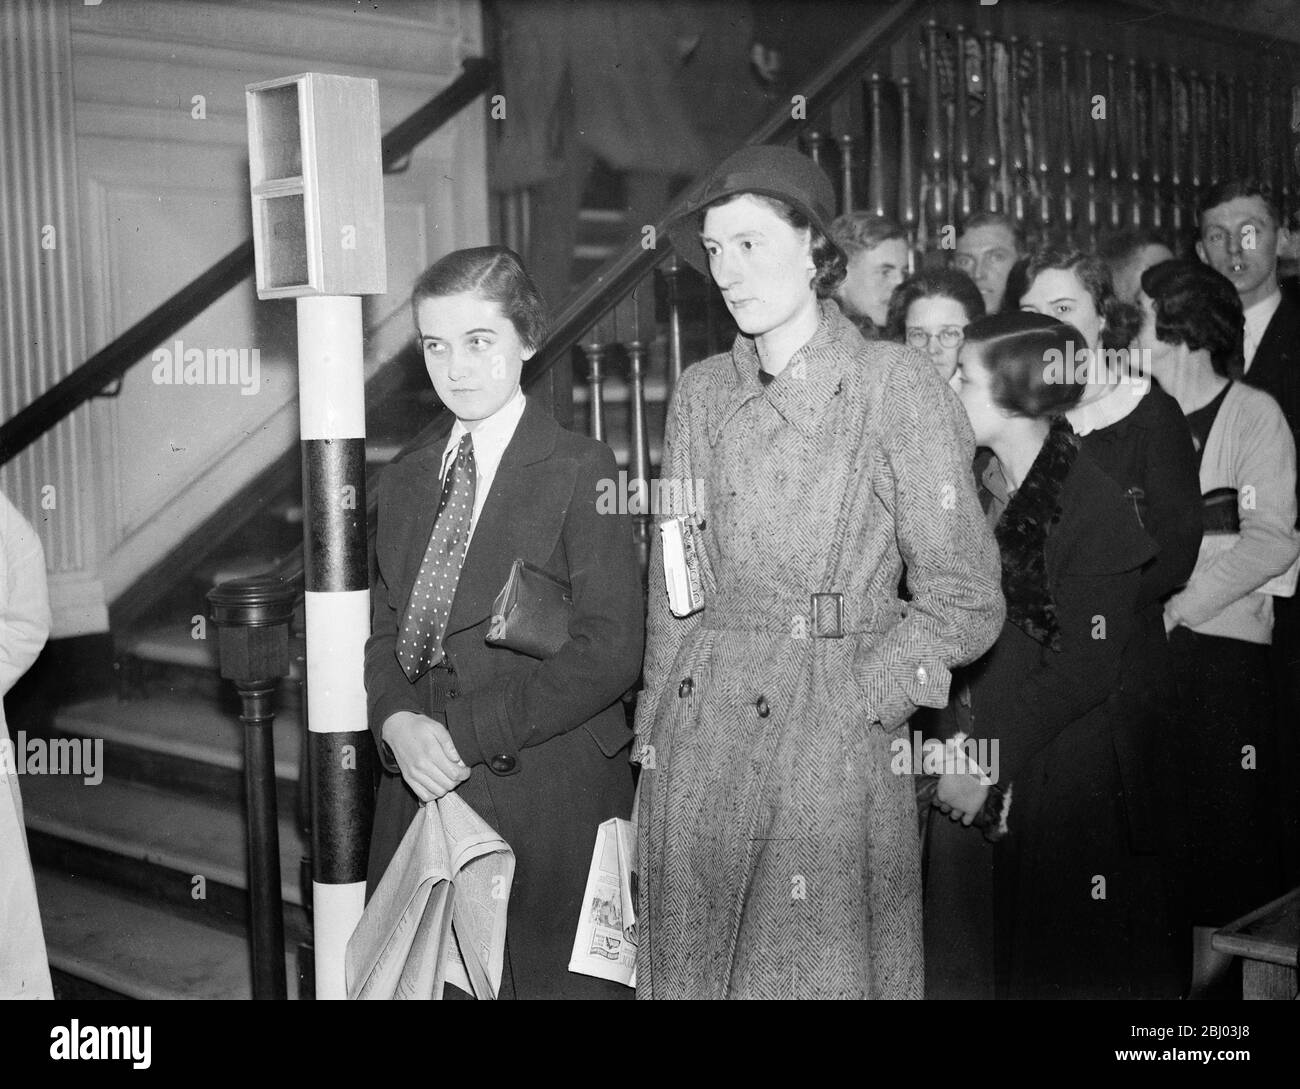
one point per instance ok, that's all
(778, 850)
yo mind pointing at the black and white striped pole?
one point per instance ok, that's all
(318, 229)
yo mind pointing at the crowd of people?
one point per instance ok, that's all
(1173, 774)
(1041, 497)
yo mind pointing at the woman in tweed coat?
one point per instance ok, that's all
(778, 850)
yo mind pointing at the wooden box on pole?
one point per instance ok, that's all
(316, 173)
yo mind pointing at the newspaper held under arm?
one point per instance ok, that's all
(439, 914)
(605, 945)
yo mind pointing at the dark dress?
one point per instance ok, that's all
(546, 742)
(1150, 455)
(1067, 920)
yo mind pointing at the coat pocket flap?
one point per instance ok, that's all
(610, 732)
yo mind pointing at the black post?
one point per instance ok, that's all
(252, 616)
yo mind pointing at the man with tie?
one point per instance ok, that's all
(1241, 234)
(535, 747)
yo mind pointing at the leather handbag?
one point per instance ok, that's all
(531, 613)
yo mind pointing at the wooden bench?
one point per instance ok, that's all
(1267, 940)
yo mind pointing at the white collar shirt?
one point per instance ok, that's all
(491, 437)
(1257, 318)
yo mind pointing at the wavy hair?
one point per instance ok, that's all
(494, 273)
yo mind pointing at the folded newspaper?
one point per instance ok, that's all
(439, 914)
(605, 945)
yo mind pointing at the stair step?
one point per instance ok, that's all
(185, 837)
(173, 643)
(180, 730)
(133, 948)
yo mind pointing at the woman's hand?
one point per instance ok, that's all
(961, 796)
(425, 754)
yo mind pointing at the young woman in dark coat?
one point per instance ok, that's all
(536, 747)
(1065, 911)
(1136, 433)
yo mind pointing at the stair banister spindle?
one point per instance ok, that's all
(1246, 131)
(994, 198)
(1270, 173)
(639, 454)
(1213, 131)
(1154, 169)
(1016, 134)
(1133, 118)
(875, 148)
(1286, 186)
(1069, 215)
(1114, 198)
(907, 211)
(1175, 157)
(961, 117)
(252, 616)
(1042, 168)
(595, 352)
(937, 206)
(813, 143)
(847, 170)
(1194, 174)
(672, 270)
(1092, 198)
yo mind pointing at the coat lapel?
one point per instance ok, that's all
(513, 519)
(811, 380)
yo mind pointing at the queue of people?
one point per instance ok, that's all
(1093, 592)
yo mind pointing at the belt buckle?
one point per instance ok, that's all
(827, 615)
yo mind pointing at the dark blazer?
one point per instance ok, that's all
(1072, 555)
(545, 740)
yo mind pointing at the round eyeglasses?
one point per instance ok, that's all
(949, 337)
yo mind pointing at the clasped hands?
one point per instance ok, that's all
(961, 796)
(425, 754)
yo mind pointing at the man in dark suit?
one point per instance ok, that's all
(536, 748)
(1241, 235)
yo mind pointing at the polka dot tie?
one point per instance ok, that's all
(419, 643)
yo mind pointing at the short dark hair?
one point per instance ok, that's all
(942, 283)
(1122, 319)
(857, 231)
(491, 272)
(997, 219)
(1016, 349)
(1233, 188)
(831, 262)
(1121, 246)
(1196, 306)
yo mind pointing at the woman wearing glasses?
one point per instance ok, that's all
(929, 312)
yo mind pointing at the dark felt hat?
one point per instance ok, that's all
(771, 171)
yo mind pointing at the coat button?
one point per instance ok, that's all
(685, 688)
(502, 764)
(921, 675)
(762, 707)
(453, 693)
